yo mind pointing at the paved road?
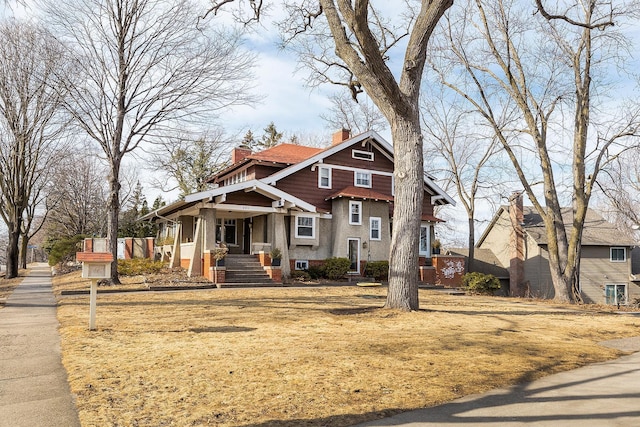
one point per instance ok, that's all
(34, 391)
(600, 395)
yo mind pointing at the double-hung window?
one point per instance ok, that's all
(305, 227)
(374, 228)
(618, 255)
(355, 213)
(324, 177)
(362, 179)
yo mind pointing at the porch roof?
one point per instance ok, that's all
(253, 185)
(360, 193)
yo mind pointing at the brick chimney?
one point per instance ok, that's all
(340, 136)
(240, 153)
(516, 244)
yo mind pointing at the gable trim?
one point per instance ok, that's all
(252, 185)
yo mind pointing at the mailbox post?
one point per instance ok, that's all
(95, 266)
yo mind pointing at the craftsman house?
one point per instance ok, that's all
(516, 237)
(310, 203)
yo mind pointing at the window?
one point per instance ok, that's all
(362, 155)
(618, 254)
(615, 293)
(305, 227)
(324, 177)
(362, 179)
(229, 231)
(236, 178)
(374, 228)
(302, 264)
(355, 216)
(425, 239)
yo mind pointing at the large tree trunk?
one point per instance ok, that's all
(409, 193)
(24, 246)
(472, 244)
(13, 251)
(112, 222)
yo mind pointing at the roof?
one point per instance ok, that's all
(360, 193)
(441, 197)
(94, 257)
(597, 230)
(285, 153)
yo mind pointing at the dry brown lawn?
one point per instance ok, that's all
(315, 356)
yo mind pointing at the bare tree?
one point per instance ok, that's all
(31, 61)
(620, 184)
(470, 158)
(350, 43)
(146, 66)
(81, 208)
(358, 117)
(188, 164)
(525, 75)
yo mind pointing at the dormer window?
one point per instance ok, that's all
(236, 178)
(362, 155)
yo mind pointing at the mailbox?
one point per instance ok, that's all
(95, 265)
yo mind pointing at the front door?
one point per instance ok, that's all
(354, 255)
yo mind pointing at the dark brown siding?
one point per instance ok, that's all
(344, 158)
(304, 185)
(250, 199)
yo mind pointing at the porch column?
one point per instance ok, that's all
(280, 241)
(195, 266)
(208, 216)
(175, 251)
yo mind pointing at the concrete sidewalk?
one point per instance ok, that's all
(33, 383)
(600, 395)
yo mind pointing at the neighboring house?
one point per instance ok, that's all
(310, 203)
(517, 238)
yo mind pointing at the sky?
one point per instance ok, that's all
(286, 101)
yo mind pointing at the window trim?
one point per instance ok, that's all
(304, 262)
(313, 227)
(320, 169)
(379, 229)
(359, 204)
(355, 178)
(624, 253)
(362, 155)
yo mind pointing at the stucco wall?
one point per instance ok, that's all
(320, 251)
(376, 250)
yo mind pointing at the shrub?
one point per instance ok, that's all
(379, 270)
(138, 266)
(335, 268)
(479, 283)
(63, 250)
(316, 271)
